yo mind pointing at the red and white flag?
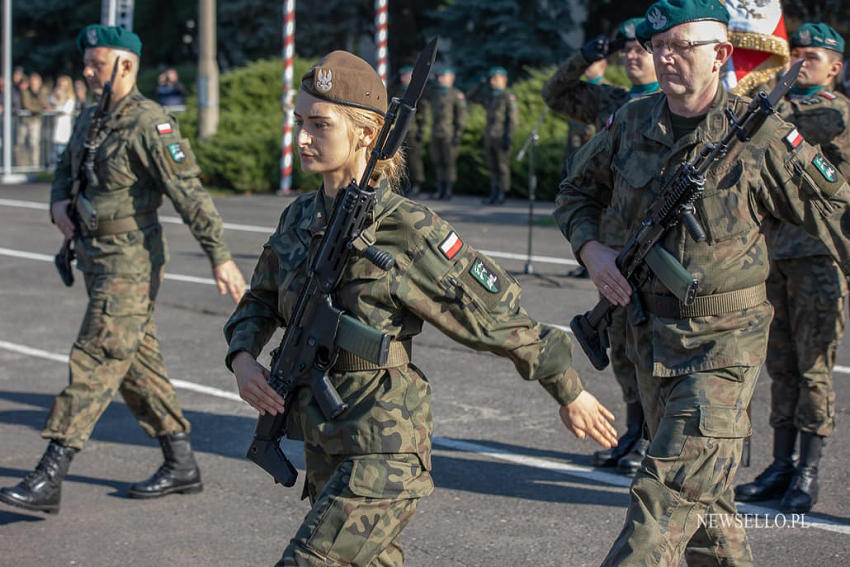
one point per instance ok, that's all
(757, 30)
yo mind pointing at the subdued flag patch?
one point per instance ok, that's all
(793, 139)
(451, 245)
(164, 128)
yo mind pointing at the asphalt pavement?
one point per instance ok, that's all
(513, 486)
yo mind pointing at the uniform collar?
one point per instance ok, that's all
(116, 114)
(320, 212)
(805, 92)
(659, 127)
(638, 90)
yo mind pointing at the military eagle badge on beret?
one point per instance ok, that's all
(656, 18)
(91, 36)
(324, 80)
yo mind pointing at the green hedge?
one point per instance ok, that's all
(244, 155)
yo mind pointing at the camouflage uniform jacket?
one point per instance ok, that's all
(141, 156)
(822, 120)
(625, 167)
(448, 112)
(501, 108)
(436, 278)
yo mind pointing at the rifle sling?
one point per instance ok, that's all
(669, 307)
(400, 353)
(126, 224)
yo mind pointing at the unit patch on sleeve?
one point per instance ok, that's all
(176, 152)
(793, 139)
(164, 128)
(451, 245)
(483, 275)
(825, 168)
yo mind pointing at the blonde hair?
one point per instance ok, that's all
(64, 89)
(392, 169)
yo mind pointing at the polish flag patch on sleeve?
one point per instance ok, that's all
(451, 245)
(793, 139)
(828, 95)
(164, 128)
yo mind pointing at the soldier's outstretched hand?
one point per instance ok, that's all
(585, 416)
(253, 381)
(229, 279)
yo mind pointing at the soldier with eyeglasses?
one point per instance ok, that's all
(696, 365)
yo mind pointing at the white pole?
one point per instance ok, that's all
(286, 99)
(381, 22)
(8, 176)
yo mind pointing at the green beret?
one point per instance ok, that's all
(817, 35)
(497, 71)
(343, 78)
(627, 29)
(96, 35)
(446, 69)
(666, 14)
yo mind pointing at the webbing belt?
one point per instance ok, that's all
(126, 224)
(670, 307)
(400, 352)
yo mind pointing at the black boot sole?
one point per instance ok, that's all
(193, 488)
(47, 509)
(761, 497)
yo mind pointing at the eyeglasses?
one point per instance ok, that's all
(676, 46)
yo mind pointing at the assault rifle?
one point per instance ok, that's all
(79, 209)
(317, 329)
(641, 257)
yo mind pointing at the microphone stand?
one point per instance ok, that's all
(528, 147)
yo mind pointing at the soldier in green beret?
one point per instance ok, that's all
(368, 468)
(595, 104)
(413, 140)
(807, 289)
(502, 120)
(696, 364)
(447, 106)
(139, 157)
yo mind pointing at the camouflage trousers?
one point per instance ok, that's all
(116, 349)
(681, 500)
(621, 364)
(808, 297)
(499, 162)
(360, 504)
(444, 156)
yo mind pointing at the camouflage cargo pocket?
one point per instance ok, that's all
(400, 477)
(724, 422)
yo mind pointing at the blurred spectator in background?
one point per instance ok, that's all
(62, 99)
(169, 91)
(81, 96)
(34, 101)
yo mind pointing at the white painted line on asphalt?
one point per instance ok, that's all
(269, 230)
(48, 258)
(768, 515)
(545, 259)
(210, 281)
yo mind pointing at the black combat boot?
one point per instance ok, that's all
(179, 472)
(630, 462)
(634, 432)
(802, 494)
(775, 479)
(448, 192)
(41, 490)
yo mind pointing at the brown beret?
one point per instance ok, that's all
(344, 78)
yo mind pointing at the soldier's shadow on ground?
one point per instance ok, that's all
(229, 435)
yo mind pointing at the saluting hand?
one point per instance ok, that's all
(229, 279)
(253, 381)
(586, 416)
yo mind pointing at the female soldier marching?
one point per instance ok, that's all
(367, 468)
